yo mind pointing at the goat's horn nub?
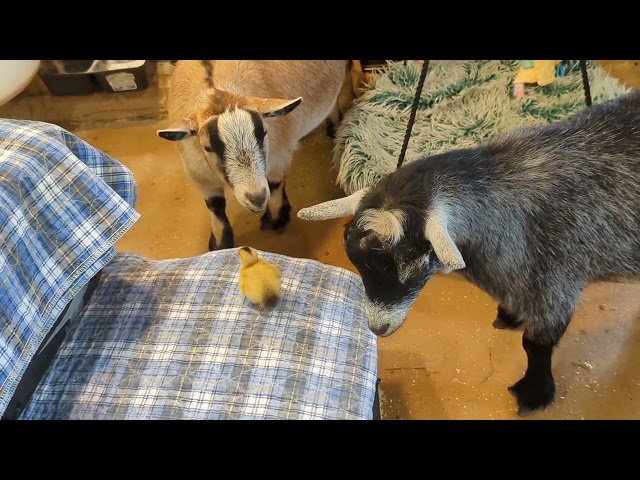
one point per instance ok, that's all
(341, 207)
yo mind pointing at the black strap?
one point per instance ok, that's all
(585, 82)
(414, 109)
(416, 100)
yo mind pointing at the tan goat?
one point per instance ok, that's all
(238, 122)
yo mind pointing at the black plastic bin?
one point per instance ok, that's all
(84, 77)
(74, 80)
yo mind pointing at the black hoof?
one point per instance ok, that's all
(331, 130)
(227, 241)
(533, 395)
(506, 321)
(266, 223)
(502, 324)
(278, 226)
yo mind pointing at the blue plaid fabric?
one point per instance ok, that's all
(174, 339)
(63, 205)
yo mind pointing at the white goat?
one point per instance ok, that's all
(220, 112)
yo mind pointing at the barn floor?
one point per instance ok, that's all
(446, 361)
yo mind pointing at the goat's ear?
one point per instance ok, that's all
(273, 107)
(437, 233)
(178, 131)
(342, 207)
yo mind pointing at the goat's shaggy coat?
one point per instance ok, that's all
(530, 217)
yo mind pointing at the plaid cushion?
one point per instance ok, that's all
(63, 205)
(174, 339)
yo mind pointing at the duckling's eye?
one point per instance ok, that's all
(208, 149)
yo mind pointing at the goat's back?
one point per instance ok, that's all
(574, 190)
(555, 201)
(318, 82)
(189, 78)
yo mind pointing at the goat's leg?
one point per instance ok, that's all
(333, 120)
(506, 320)
(536, 390)
(221, 231)
(278, 213)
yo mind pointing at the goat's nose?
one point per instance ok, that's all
(380, 330)
(257, 198)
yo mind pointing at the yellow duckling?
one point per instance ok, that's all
(259, 280)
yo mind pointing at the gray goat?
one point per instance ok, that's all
(530, 217)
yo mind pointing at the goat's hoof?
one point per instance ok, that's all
(533, 395)
(502, 323)
(506, 321)
(331, 132)
(267, 223)
(213, 245)
(280, 227)
(331, 129)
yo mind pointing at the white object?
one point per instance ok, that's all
(15, 76)
(106, 65)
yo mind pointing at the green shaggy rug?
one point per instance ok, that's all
(463, 102)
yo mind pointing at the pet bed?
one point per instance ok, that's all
(169, 339)
(63, 205)
(173, 339)
(463, 102)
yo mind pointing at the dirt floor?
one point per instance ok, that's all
(446, 361)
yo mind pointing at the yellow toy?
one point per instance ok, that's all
(542, 72)
(259, 280)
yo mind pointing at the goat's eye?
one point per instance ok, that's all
(208, 149)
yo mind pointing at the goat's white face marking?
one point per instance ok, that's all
(386, 319)
(388, 224)
(244, 151)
